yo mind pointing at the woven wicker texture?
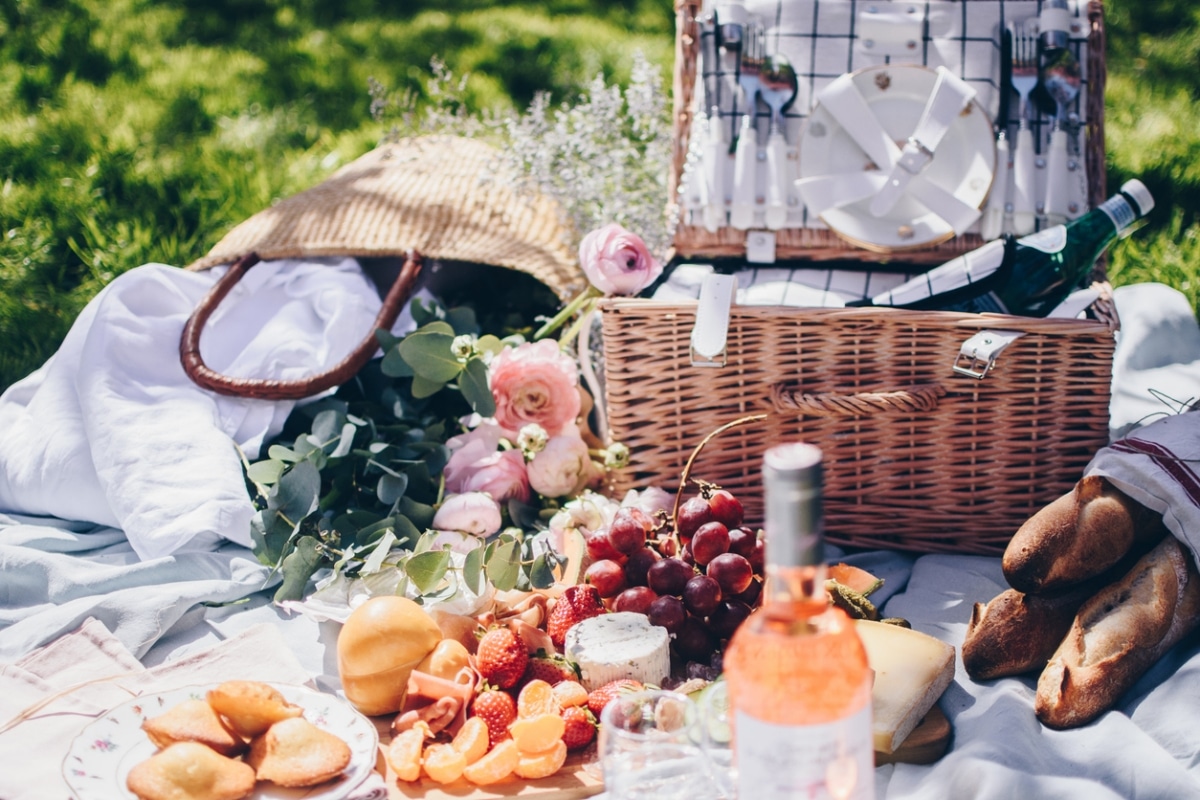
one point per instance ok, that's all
(694, 241)
(917, 457)
(434, 194)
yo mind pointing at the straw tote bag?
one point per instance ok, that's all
(434, 197)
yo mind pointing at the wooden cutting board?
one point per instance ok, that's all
(925, 745)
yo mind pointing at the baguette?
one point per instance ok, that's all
(1016, 633)
(1118, 635)
(1078, 536)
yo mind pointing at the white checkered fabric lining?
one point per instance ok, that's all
(819, 37)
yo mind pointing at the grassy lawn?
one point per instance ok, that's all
(135, 131)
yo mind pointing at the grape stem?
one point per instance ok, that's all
(687, 470)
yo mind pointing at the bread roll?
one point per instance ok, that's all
(1078, 536)
(1118, 635)
(1016, 633)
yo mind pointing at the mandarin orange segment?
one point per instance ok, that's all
(404, 753)
(537, 697)
(570, 693)
(537, 734)
(472, 739)
(443, 763)
(544, 764)
(498, 764)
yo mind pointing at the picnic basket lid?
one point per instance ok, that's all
(443, 196)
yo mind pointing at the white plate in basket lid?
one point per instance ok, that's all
(839, 180)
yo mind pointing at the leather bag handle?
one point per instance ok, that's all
(264, 389)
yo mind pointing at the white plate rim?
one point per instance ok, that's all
(840, 220)
(95, 767)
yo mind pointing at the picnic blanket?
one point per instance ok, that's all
(79, 553)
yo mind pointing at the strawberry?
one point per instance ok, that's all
(501, 657)
(553, 669)
(600, 697)
(581, 727)
(577, 603)
(498, 710)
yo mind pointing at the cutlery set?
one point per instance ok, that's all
(745, 158)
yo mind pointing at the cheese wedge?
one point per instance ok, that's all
(619, 645)
(912, 670)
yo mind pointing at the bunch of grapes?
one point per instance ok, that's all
(699, 578)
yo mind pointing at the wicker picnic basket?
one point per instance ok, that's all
(917, 456)
(812, 240)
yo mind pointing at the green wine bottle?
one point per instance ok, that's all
(1029, 276)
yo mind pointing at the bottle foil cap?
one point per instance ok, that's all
(1137, 191)
(793, 483)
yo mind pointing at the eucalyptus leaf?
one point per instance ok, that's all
(473, 383)
(406, 533)
(489, 344)
(472, 570)
(462, 319)
(424, 313)
(504, 566)
(265, 472)
(426, 570)
(281, 453)
(297, 493)
(297, 568)
(346, 442)
(420, 514)
(391, 488)
(423, 387)
(382, 548)
(387, 340)
(394, 365)
(430, 354)
(326, 426)
(541, 573)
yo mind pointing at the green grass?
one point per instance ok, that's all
(135, 131)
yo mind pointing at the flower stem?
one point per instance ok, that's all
(567, 312)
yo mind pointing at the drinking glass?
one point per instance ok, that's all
(651, 748)
(716, 720)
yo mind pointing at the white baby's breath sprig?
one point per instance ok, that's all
(532, 439)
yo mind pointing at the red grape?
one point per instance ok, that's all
(702, 595)
(710, 541)
(741, 541)
(666, 545)
(685, 555)
(607, 576)
(758, 557)
(694, 641)
(726, 508)
(637, 565)
(732, 572)
(729, 614)
(693, 513)
(667, 612)
(628, 530)
(600, 547)
(636, 599)
(669, 575)
(752, 593)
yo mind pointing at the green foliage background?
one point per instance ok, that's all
(134, 131)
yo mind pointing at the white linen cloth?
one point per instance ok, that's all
(112, 431)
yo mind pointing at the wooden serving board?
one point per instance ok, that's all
(925, 745)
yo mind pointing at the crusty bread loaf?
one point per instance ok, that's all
(1016, 633)
(1078, 536)
(1118, 634)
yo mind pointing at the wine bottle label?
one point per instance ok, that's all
(1051, 240)
(1119, 211)
(783, 762)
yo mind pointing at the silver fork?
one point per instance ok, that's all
(745, 164)
(1024, 79)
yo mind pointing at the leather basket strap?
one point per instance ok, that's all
(199, 372)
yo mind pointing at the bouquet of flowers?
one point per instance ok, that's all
(449, 469)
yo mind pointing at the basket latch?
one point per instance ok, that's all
(711, 330)
(978, 354)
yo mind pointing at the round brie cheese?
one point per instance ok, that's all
(619, 645)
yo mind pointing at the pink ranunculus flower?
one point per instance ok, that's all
(478, 465)
(562, 468)
(470, 512)
(535, 382)
(617, 261)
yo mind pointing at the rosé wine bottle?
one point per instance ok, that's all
(799, 682)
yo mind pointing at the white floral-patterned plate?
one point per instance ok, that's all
(106, 750)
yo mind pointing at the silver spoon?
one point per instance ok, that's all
(778, 87)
